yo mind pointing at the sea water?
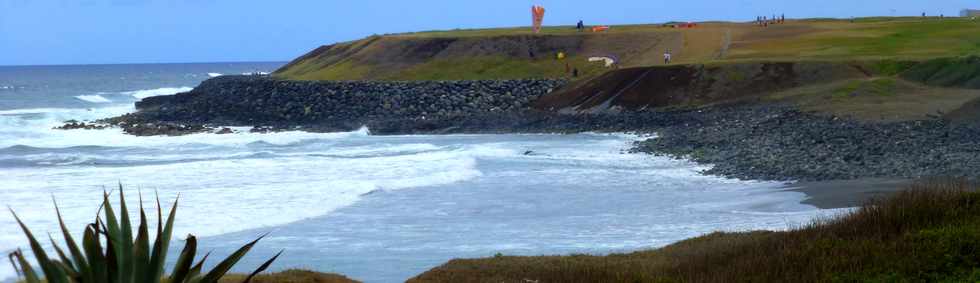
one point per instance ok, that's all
(376, 208)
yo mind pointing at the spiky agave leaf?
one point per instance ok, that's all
(79, 262)
(184, 261)
(65, 263)
(124, 252)
(159, 255)
(110, 226)
(262, 267)
(52, 273)
(98, 268)
(141, 249)
(222, 268)
(194, 275)
(25, 268)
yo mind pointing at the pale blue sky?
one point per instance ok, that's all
(156, 31)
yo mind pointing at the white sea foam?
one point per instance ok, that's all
(255, 73)
(215, 75)
(236, 194)
(245, 181)
(141, 94)
(35, 111)
(94, 98)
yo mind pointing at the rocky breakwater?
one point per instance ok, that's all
(385, 107)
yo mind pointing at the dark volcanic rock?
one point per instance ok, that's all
(163, 128)
(76, 125)
(781, 143)
(337, 106)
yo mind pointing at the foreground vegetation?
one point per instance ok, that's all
(127, 259)
(930, 233)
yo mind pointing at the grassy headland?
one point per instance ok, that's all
(506, 53)
(930, 233)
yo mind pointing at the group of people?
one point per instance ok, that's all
(764, 21)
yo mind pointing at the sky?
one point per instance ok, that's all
(46, 32)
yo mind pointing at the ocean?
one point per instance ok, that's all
(375, 208)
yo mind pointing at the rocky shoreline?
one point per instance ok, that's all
(761, 141)
(777, 142)
(390, 107)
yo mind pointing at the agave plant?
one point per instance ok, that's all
(123, 259)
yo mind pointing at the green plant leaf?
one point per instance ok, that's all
(124, 252)
(262, 267)
(71, 275)
(141, 250)
(57, 249)
(78, 257)
(184, 261)
(51, 272)
(65, 263)
(93, 250)
(112, 266)
(25, 267)
(159, 255)
(193, 276)
(219, 271)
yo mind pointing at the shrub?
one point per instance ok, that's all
(123, 259)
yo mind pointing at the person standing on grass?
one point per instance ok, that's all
(667, 57)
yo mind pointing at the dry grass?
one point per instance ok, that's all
(930, 233)
(878, 99)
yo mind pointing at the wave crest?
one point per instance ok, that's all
(141, 94)
(94, 98)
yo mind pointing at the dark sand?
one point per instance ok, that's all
(847, 193)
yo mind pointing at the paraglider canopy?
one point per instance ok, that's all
(537, 16)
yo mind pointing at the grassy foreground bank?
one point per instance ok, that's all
(930, 233)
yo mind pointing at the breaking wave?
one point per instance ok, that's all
(94, 98)
(141, 94)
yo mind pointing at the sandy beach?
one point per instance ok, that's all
(848, 193)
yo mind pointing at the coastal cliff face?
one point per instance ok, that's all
(692, 85)
(336, 105)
